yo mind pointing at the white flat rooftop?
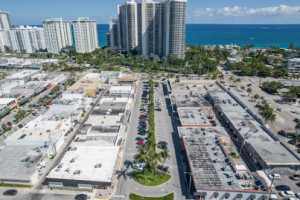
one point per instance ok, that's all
(85, 159)
(6, 100)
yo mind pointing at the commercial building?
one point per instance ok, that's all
(18, 164)
(150, 27)
(85, 167)
(90, 86)
(263, 149)
(42, 131)
(214, 173)
(293, 66)
(191, 111)
(58, 34)
(85, 35)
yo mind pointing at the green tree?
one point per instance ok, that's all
(142, 156)
(267, 113)
(165, 155)
(256, 96)
(243, 87)
(249, 91)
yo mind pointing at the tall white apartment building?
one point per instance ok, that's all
(114, 34)
(151, 27)
(58, 34)
(5, 25)
(127, 13)
(85, 35)
(293, 66)
(28, 39)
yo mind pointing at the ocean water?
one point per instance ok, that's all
(216, 34)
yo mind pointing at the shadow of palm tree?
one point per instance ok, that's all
(128, 163)
(124, 174)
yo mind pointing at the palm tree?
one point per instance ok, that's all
(267, 113)
(150, 144)
(155, 160)
(165, 155)
(142, 156)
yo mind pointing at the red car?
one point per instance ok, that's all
(143, 117)
(140, 143)
(9, 124)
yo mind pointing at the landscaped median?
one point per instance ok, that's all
(150, 176)
(137, 197)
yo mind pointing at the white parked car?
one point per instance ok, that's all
(287, 194)
(293, 198)
(280, 109)
(274, 176)
(273, 197)
(298, 195)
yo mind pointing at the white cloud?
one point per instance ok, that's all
(238, 11)
(268, 11)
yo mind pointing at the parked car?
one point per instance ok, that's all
(138, 166)
(287, 194)
(20, 126)
(140, 143)
(274, 176)
(273, 197)
(282, 132)
(81, 197)
(10, 192)
(140, 139)
(282, 188)
(295, 177)
(280, 109)
(9, 124)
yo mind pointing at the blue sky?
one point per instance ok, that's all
(24, 12)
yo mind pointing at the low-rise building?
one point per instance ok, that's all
(214, 173)
(263, 149)
(85, 167)
(18, 164)
(293, 66)
(90, 86)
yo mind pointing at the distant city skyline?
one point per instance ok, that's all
(32, 12)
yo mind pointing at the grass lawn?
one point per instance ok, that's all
(137, 197)
(14, 185)
(6, 130)
(160, 178)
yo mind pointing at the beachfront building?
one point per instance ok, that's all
(58, 34)
(294, 66)
(5, 25)
(150, 27)
(28, 39)
(85, 35)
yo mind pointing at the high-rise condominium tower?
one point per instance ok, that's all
(85, 34)
(57, 34)
(28, 39)
(5, 25)
(151, 27)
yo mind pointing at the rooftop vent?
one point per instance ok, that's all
(99, 165)
(77, 172)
